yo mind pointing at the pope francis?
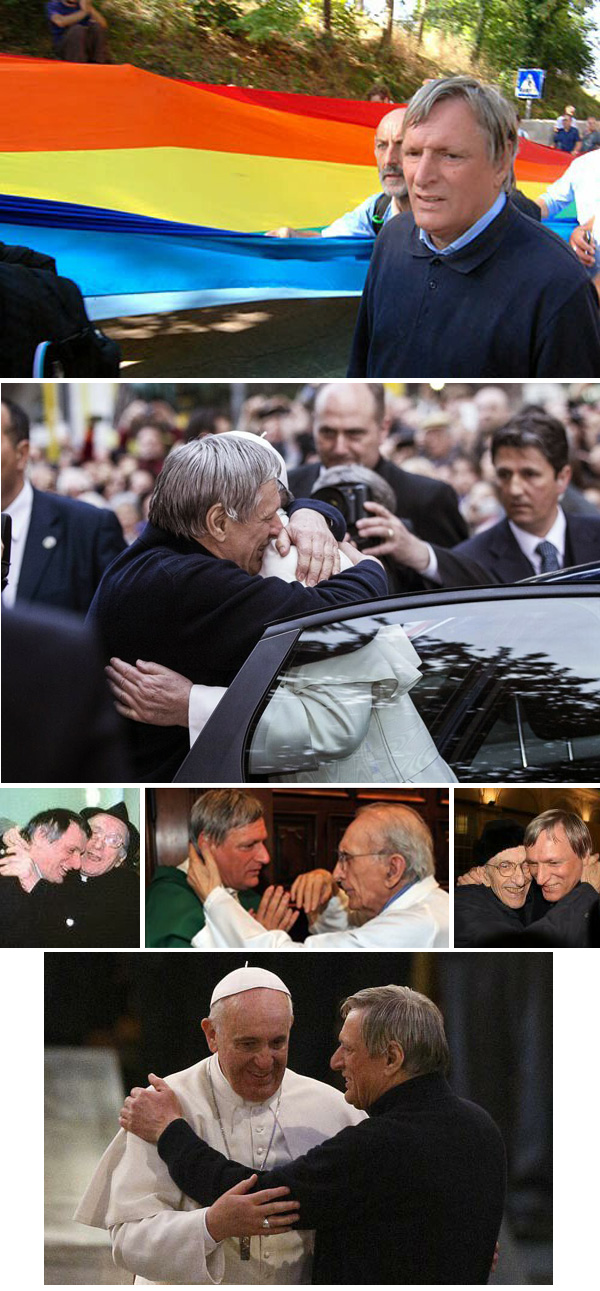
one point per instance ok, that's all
(245, 1103)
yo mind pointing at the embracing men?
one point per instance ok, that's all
(434, 1218)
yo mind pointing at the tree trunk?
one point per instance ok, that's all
(479, 34)
(327, 15)
(422, 16)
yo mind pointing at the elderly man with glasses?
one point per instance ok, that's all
(494, 904)
(382, 894)
(537, 886)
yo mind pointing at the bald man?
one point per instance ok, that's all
(366, 220)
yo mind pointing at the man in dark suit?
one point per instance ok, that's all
(60, 548)
(433, 1218)
(34, 910)
(350, 425)
(531, 459)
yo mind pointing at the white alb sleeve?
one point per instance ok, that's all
(169, 1247)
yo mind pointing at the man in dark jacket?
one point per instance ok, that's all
(60, 547)
(33, 909)
(531, 460)
(560, 908)
(494, 908)
(187, 594)
(350, 425)
(412, 1195)
(468, 286)
(80, 912)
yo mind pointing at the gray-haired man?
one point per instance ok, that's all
(468, 286)
(187, 593)
(414, 1194)
(563, 908)
(385, 874)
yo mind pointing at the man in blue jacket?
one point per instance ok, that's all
(468, 286)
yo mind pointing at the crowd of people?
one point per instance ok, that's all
(442, 434)
(382, 492)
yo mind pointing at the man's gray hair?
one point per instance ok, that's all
(215, 469)
(397, 1013)
(401, 829)
(493, 114)
(353, 473)
(576, 830)
(218, 811)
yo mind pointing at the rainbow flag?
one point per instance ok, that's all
(156, 194)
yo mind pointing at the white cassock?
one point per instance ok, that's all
(415, 919)
(345, 719)
(160, 1235)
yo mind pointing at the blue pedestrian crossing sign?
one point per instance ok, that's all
(530, 83)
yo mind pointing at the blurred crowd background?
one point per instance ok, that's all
(106, 443)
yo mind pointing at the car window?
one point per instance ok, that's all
(484, 689)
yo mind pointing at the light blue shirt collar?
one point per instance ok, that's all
(399, 894)
(472, 233)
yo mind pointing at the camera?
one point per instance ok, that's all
(350, 500)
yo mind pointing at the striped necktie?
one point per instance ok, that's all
(548, 555)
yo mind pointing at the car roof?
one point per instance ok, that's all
(588, 573)
(443, 596)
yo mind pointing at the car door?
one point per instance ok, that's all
(505, 687)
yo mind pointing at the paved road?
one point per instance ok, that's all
(281, 338)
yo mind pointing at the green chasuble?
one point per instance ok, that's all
(173, 912)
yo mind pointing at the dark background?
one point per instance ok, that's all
(498, 1010)
(304, 825)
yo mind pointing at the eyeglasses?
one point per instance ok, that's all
(107, 840)
(507, 868)
(344, 857)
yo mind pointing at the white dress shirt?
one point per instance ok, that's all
(20, 514)
(528, 542)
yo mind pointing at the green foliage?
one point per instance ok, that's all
(272, 20)
(224, 41)
(216, 15)
(343, 17)
(21, 14)
(553, 34)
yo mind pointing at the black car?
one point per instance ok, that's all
(507, 685)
